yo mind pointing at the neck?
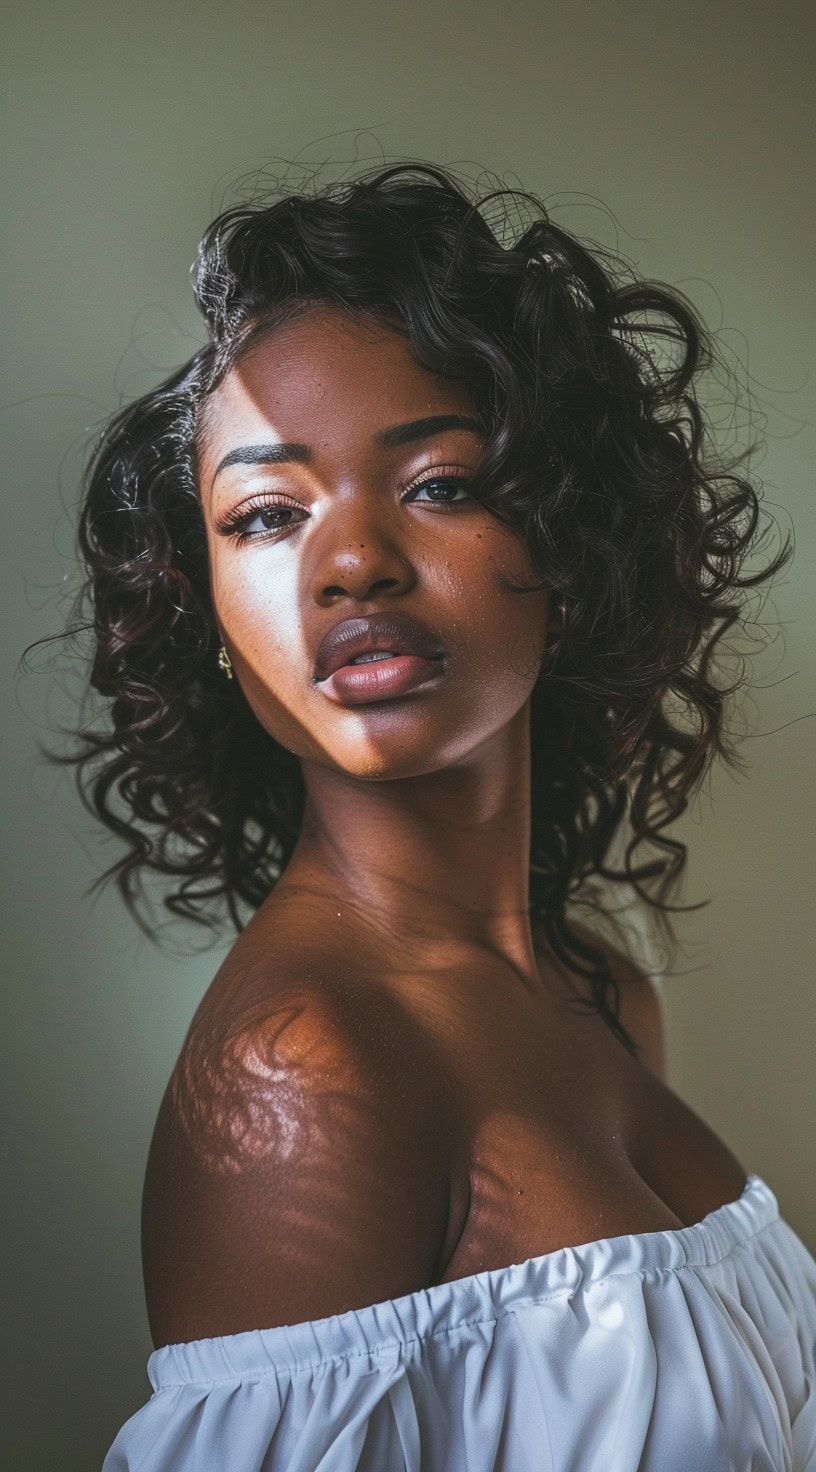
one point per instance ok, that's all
(441, 858)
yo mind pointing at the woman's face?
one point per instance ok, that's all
(334, 478)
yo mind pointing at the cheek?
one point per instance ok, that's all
(257, 612)
(509, 627)
(259, 618)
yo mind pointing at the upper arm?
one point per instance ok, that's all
(286, 1181)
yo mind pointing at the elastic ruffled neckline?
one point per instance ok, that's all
(383, 1331)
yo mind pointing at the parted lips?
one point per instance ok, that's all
(392, 633)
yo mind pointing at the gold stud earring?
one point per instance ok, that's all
(224, 662)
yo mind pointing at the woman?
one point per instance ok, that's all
(406, 594)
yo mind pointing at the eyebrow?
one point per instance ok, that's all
(398, 434)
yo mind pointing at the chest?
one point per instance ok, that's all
(558, 1136)
(545, 1151)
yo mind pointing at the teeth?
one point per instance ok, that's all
(367, 658)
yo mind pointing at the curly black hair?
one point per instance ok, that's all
(599, 455)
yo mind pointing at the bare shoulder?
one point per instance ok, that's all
(640, 1010)
(296, 1168)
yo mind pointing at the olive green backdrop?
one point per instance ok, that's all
(126, 127)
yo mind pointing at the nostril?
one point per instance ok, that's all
(333, 590)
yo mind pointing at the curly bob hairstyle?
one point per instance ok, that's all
(598, 454)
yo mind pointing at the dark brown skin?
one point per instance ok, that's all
(385, 1086)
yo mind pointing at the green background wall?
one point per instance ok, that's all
(125, 128)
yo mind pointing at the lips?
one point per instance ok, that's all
(391, 633)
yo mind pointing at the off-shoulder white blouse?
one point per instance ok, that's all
(689, 1350)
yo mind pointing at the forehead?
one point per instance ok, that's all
(326, 370)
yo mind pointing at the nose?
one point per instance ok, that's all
(360, 554)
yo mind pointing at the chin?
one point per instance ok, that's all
(395, 760)
(385, 767)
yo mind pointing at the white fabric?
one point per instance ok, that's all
(678, 1351)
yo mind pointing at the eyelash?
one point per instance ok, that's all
(235, 523)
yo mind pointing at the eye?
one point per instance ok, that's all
(272, 517)
(263, 520)
(442, 489)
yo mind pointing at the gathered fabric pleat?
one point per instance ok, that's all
(659, 1352)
